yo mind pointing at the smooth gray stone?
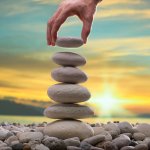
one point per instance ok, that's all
(68, 59)
(127, 148)
(144, 128)
(122, 141)
(68, 93)
(68, 75)
(65, 129)
(125, 127)
(141, 147)
(95, 139)
(139, 136)
(69, 42)
(72, 142)
(73, 148)
(68, 111)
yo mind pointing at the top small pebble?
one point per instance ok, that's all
(69, 42)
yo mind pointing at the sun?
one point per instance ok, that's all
(108, 105)
(108, 102)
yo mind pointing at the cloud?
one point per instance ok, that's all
(23, 63)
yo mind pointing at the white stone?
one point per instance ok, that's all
(65, 129)
(68, 111)
(68, 75)
(68, 93)
(68, 59)
(69, 42)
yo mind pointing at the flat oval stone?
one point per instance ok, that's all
(69, 42)
(65, 129)
(68, 93)
(68, 75)
(68, 59)
(68, 111)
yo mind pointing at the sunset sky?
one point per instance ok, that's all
(117, 53)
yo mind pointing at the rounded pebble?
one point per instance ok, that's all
(68, 111)
(68, 75)
(65, 129)
(69, 42)
(68, 59)
(68, 93)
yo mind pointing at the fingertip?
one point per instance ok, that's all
(53, 44)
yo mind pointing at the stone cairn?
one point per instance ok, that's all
(66, 95)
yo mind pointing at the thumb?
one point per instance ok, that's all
(87, 23)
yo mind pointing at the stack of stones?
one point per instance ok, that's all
(66, 95)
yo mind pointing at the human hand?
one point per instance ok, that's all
(84, 9)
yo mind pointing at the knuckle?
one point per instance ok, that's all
(49, 21)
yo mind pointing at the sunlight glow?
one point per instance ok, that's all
(108, 105)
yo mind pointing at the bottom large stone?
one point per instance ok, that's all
(64, 129)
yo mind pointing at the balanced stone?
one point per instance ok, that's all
(68, 59)
(65, 129)
(68, 75)
(68, 111)
(68, 93)
(69, 42)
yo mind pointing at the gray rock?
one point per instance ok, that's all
(68, 111)
(95, 139)
(65, 129)
(85, 146)
(110, 146)
(18, 146)
(112, 127)
(146, 140)
(68, 59)
(122, 141)
(127, 148)
(3, 144)
(3, 133)
(69, 42)
(68, 93)
(128, 134)
(125, 127)
(144, 128)
(139, 136)
(54, 144)
(25, 137)
(101, 131)
(133, 143)
(96, 148)
(72, 142)
(68, 75)
(41, 147)
(141, 147)
(5, 148)
(73, 148)
(11, 139)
